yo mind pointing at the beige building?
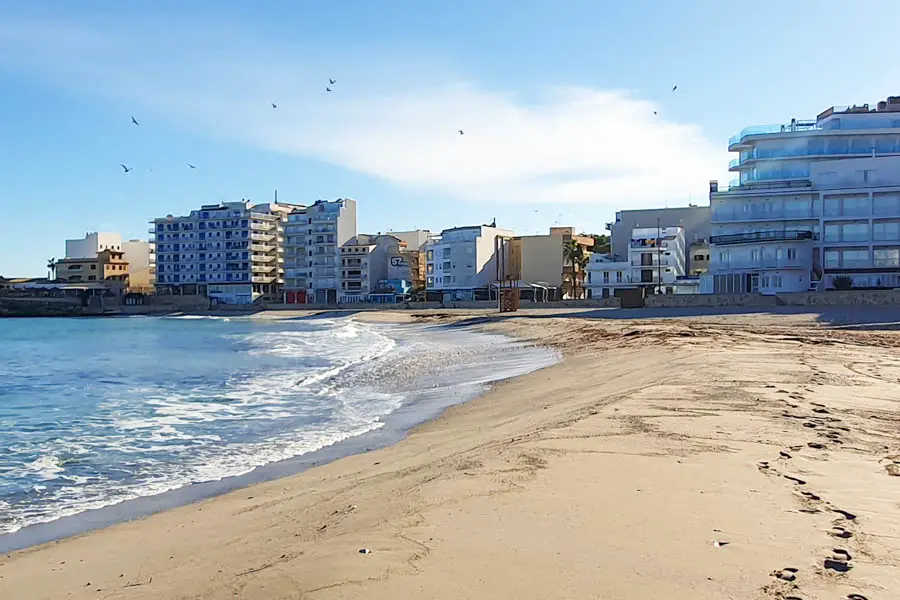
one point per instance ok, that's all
(141, 265)
(544, 263)
(108, 266)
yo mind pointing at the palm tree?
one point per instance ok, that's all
(51, 268)
(574, 253)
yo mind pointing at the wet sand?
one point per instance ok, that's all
(751, 457)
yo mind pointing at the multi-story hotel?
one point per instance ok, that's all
(313, 238)
(230, 252)
(814, 200)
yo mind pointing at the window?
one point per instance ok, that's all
(430, 268)
(446, 265)
(92, 278)
(886, 204)
(792, 254)
(618, 276)
(865, 176)
(832, 259)
(777, 281)
(832, 233)
(754, 255)
(887, 257)
(855, 232)
(93, 267)
(832, 206)
(855, 257)
(429, 255)
(779, 253)
(605, 277)
(856, 206)
(446, 252)
(698, 257)
(888, 230)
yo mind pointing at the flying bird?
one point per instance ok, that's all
(133, 120)
(274, 105)
(654, 112)
(191, 166)
(461, 132)
(332, 81)
(327, 89)
(126, 169)
(675, 87)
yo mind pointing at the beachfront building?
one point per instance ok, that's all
(313, 239)
(461, 264)
(230, 252)
(814, 200)
(107, 267)
(365, 260)
(546, 269)
(656, 262)
(695, 220)
(138, 254)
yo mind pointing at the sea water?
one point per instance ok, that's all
(94, 412)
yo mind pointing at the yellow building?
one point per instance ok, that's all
(108, 266)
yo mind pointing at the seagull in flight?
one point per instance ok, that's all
(654, 112)
(327, 89)
(191, 166)
(133, 120)
(332, 81)
(674, 88)
(126, 169)
(274, 105)
(461, 132)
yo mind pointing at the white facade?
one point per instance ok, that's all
(462, 260)
(656, 259)
(229, 252)
(313, 238)
(814, 200)
(92, 243)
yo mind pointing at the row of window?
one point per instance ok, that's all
(849, 258)
(857, 205)
(203, 277)
(188, 226)
(449, 280)
(203, 267)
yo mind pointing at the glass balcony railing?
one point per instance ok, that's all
(724, 215)
(794, 127)
(734, 162)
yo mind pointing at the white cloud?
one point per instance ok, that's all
(566, 144)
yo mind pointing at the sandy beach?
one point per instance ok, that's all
(751, 456)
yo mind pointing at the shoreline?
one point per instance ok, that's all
(743, 458)
(396, 426)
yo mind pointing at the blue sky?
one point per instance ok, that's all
(556, 99)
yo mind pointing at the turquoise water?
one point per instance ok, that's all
(94, 412)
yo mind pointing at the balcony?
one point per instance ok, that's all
(762, 236)
(793, 127)
(263, 268)
(262, 247)
(262, 237)
(264, 258)
(257, 226)
(262, 279)
(762, 263)
(725, 216)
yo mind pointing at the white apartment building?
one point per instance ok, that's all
(364, 263)
(462, 261)
(229, 252)
(814, 200)
(314, 236)
(656, 259)
(92, 243)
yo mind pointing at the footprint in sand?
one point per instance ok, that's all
(820, 410)
(839, 532)
(840, 554)
(837, 565)
(810, 496)
(847, 515)
(794, 479)
(786, 574)
(816, 445)
(784, 454)
(810, 425)
(856, 597)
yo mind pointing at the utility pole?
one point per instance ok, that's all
(658, 257)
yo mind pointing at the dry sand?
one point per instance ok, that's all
(731, 458)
